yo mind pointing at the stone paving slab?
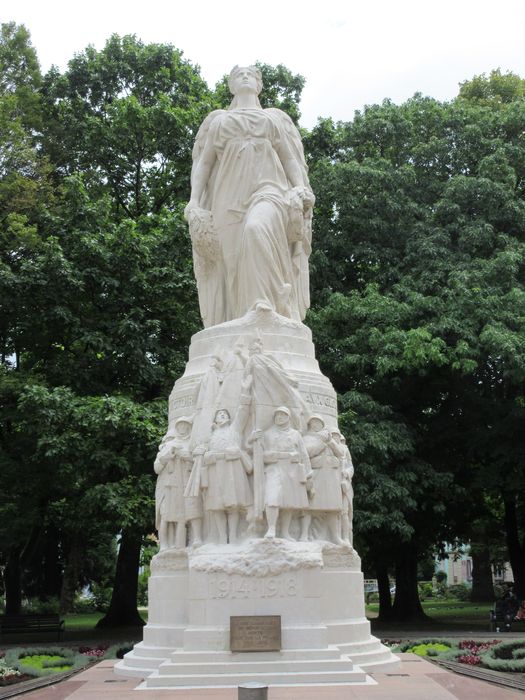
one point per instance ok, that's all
(416, 679)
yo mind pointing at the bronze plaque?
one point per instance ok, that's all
(255, 633)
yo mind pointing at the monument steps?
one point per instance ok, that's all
(343, 663)
(377, 657)
(143, 663)
(182, 656)
(144, 650)
(228, 677)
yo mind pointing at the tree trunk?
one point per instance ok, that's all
(122, 609)
(13, 583)
(482, 586)
(51, 570)
(515, 547)
(385, 599)
(406, 602)
(70, 577)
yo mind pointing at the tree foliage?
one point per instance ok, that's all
(418, 276)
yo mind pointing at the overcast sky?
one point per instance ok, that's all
(351, 53)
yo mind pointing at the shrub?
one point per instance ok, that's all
(7, 673)
(117, 651)
(142, 590)
(101, 597)
(96, 652)
(42, 661)
(425, 590)
(459, 591)
(440, 645)
(469, 659)
(506, 656)
(37, 606)
(83, 605)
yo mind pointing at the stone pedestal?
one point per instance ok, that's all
(315, 586)
(317, 590)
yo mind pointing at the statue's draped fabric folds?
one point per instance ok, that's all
(254, 479)
(250, 212)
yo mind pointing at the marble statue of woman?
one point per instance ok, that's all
(250, 208)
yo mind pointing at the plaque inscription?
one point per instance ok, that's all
(255, 633)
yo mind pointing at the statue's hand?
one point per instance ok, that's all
(256, 435)
(202, 231)
(246, 384)
(190, 207)
(306, 195)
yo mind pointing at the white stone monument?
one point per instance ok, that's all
(254, 494)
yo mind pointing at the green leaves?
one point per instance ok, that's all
(127, 116)
(419, 301)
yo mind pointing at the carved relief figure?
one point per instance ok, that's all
(224, 467)
(325, 458)
(173, 465)
(250, 208)
(286, 471)
(272, 385)
(346, 488)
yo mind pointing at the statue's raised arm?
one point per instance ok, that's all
(250, 208)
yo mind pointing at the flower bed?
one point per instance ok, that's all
(506, 656)
(427, 647)
(494, 654)
(43, 661)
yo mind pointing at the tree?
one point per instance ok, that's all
(105, 297)
(126, 117)
(421, 206)
(498, 88)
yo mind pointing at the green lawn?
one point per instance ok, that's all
(455, 615)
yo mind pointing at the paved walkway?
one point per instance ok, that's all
(416, 679)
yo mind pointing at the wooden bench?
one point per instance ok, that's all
(500, 621)
(32, 624)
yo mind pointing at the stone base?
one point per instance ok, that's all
(288, 342)
(316, 588)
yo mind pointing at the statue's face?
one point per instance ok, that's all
(244, 80)
(316, 425)
(182, 428)
(281, 418)
(222, 417)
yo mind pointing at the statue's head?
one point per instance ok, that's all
(222, 417)
(183, 426)
(315, 424)
(281, 416)
(216, 361)
(336, 436)
(245, 78)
